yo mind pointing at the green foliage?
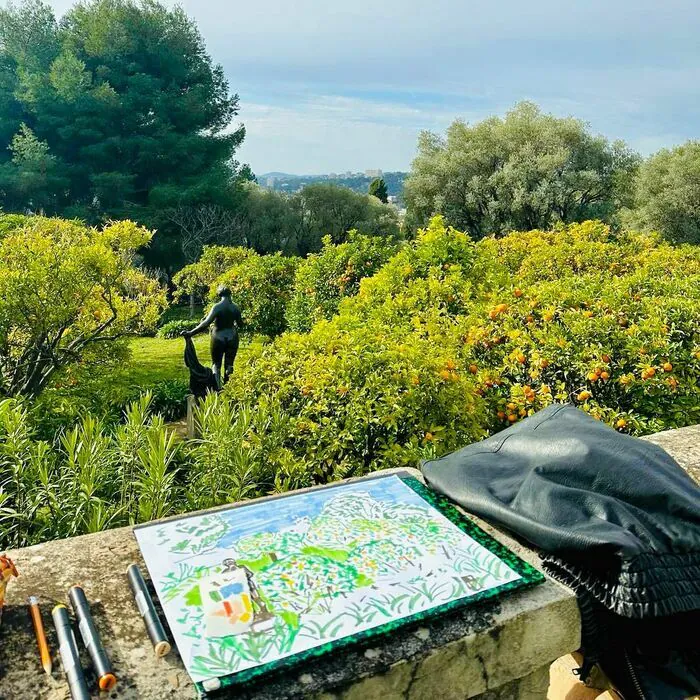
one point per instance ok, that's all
(450, 341)
(330, 210)
(324, 278)
(169, 398)
(297, 223)
(118, 111)
(197, 278)
(529, 170)
(87, 480)
(668, 193)
(174, 329)
(66, 289)
(377, 188)
(261, 285)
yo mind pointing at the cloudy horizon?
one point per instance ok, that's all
(331, 87)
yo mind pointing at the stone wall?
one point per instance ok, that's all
(493, 650)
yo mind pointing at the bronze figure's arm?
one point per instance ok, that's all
(203, 325)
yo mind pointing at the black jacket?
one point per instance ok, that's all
(616, 519)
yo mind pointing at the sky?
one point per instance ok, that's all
(331, 85)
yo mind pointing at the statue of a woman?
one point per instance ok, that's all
(225, 319)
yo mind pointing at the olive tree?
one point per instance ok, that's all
(528, 170)
(668, 193)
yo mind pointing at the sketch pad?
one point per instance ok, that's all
(308, 573)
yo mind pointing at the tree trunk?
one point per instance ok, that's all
(191, 305)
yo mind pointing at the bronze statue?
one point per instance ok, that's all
(225, 319)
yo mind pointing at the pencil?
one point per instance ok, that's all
(40, 634)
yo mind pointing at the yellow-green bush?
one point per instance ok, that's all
(451, 340)
(260, 284)
(332, 274)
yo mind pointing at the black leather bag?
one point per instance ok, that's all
(616, 519)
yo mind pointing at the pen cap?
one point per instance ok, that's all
(136, 580)
(78, 601)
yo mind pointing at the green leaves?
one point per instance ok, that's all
(528, 170)
(64, 289)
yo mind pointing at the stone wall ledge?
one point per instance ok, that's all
(492, 650)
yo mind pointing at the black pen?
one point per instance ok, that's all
(105, 676)
(155, 630)
(68, 650)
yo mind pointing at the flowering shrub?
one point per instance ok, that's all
(334, 273)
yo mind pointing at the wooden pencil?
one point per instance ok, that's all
(44, 653)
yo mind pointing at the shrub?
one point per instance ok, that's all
(261, 285)
(169, 398)
(195, 279)
(334, 273)
(450, 340)
(88, 479)
(174, 329)
(65, 289)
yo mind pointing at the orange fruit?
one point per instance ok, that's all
(529, 319)
(648, 373)
(588, 314)
(450, 364)
(605, 376)
(548, 316)
(668, 367)
(592, 377)
(521, 358)
(605, 358)
(501, 415)
(512, 417)
(584, 396)
(621, 423)
(544, 363)
(511, 406)
(473, 369)
(428, 437)
(518, 292)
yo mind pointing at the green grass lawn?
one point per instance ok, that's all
(105, 391)
(157, 359)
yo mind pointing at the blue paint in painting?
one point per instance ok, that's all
(231, 589)
(281, 513)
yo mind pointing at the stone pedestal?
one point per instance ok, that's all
(192, 427)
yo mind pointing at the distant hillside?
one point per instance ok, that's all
(359, 182)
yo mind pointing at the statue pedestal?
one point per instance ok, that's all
(192, 427)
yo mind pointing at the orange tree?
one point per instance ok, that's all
(451, 340)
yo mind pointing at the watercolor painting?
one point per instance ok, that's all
(252, 585)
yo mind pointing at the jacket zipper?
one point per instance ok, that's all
(633, 676)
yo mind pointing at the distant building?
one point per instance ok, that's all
(270, 182)
(373, 173)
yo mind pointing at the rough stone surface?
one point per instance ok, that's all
(683, 444)
(484, 650)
